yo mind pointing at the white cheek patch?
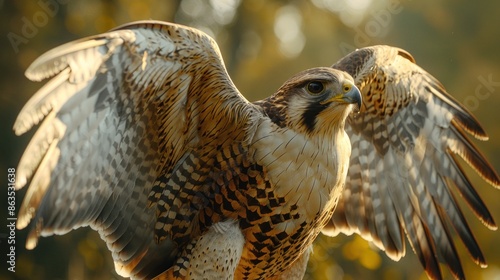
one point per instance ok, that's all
(297, 105)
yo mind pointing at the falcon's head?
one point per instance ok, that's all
(313, 101)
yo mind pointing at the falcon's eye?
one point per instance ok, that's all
(315, 87)
(346, 87)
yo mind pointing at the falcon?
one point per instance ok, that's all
(145, 139)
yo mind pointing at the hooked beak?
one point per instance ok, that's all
(351, 96)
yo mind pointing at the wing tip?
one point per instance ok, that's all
(483, 265)
(31, 242)
(32, 239)
(432, 270)
(489, 223)
(474, 158)
(33, 75)
(59, 58)
(25, 216)
(470, 124)
(23, 124)
(480, 261)
(45, 66)
(20, 182)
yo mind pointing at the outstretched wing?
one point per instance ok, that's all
(121, 112)
(403, 165)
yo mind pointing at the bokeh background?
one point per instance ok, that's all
(263, 43)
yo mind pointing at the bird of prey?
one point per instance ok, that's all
(145, 139)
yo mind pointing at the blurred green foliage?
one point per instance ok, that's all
(263, 43)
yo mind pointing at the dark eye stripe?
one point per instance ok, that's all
(311, 113)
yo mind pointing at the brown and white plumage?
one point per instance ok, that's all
(147, 140)
(405, 144)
